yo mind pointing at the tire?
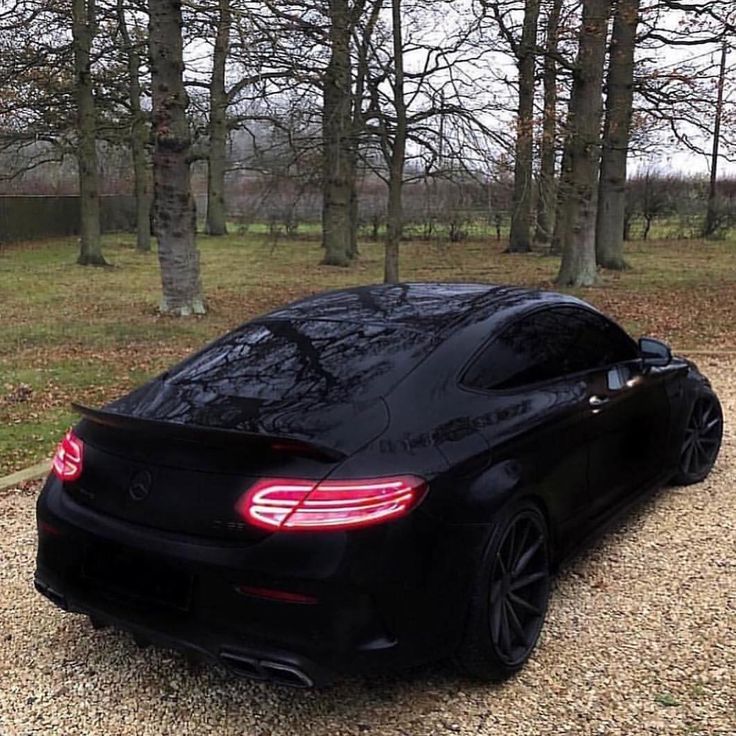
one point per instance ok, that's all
(509, 597)
(702, 440)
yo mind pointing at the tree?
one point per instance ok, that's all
(711, 217)
(218, 125)
(519, 238)
(337, 138)
(609, 241)
(139, 133)
(83, 31)
(174, 207)
(580, 162)
(548, 146)
(397, 156)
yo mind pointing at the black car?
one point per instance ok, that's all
(367, 478)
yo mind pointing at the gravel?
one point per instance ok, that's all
(640, 639)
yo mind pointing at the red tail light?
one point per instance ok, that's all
(283, 596)
(67, 462)
(286, 504)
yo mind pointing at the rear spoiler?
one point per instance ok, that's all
(197, 432)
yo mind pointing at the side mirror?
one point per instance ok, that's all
(654, 353)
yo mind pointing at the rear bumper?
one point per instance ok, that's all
(379, 599)
(254, 660)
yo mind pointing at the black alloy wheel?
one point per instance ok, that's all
(519, 590)
(510, 599)
(702, 440)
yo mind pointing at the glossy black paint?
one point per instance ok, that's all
(372, 381)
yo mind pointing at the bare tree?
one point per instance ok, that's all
(84, 24)
(397, 156)
(580, 169)
(548, 146)
(609, 242)
(337, 138)
(139, 132)
(218, 124)
(174, 207)
(711, 217)
(519, 238)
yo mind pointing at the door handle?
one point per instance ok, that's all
(598, 401)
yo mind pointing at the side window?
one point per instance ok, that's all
(549, 344)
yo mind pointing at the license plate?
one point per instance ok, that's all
(136, 579)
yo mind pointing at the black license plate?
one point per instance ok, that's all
(135, 579)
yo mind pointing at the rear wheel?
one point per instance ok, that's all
(510, 597)
(702, 440)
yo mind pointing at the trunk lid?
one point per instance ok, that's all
(185, 478)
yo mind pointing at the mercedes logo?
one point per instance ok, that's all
(140, 485)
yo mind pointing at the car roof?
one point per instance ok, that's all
(430, 307)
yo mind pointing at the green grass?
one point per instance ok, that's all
(89, 334)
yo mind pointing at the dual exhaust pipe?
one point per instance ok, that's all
(264, 669)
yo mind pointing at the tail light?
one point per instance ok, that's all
(67, 462)
(292, 505)
(273, 594)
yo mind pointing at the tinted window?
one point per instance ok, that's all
(549, 344)
(283, 360)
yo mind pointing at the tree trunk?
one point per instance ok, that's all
(711, 217)
(138, 138)
(609, 242)
(354, 214)
(394, 210)
(578, 266)
(521, 207)
(83, 31)
(358, 123)
(217, 160)
(174, 207)
(561, 227)
(547, 199)
(338, 167)
(647, 227)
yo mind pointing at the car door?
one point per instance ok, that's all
(629, 410)
(629, 434)
(536, 413)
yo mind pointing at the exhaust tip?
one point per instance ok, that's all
(242, 665)
(260, 669)
(286, 674)
(53, 595)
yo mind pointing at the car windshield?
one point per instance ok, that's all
(286, 360)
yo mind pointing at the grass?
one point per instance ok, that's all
(68, 332)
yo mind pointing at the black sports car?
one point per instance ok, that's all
(367, 478)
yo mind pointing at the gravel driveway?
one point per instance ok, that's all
(640, 639)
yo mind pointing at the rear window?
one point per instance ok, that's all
(280, 360)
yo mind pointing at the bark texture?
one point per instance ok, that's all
(83, 32)
(547, 190)
(609, 242)
(337, 144)
(174, 207)
(394, 210)
(579, 184)
(217, 160)
(138, 137)
(521, 208)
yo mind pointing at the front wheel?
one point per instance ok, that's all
(702, 440)
(509, 600)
